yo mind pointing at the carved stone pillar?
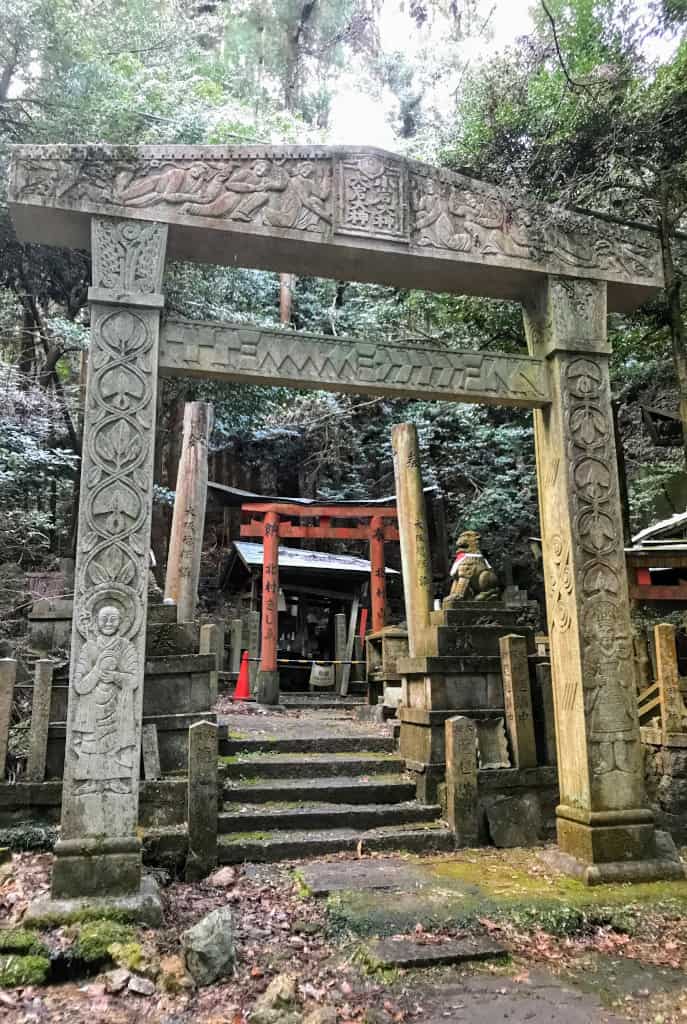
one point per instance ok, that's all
(603, 824)
(99, 853)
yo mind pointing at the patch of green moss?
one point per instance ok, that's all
(127, 954)
(23, 970)
(242, 837)
(302, 888)
(95, 938)
(83, 914)
(21, 940)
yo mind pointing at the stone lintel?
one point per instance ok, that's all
(239, 352)
(143, 907)
(152, 300)
(347, 213)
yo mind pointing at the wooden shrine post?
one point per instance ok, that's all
(412, 528)
(377, 574)
(188, 520)
(268, 679)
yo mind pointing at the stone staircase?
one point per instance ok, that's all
(286, 799)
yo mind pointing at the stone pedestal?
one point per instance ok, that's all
(603, 822)
(99, 852)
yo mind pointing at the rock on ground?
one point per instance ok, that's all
(515, 820)
(208, 946)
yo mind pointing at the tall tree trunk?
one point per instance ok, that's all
(673, 289)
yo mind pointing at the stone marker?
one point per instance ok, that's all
(188, 520)
(98, 854)
(668, 677)
(253, 650)
(339, 646)
(8, 675)
(517, 700)
(40, 719)
(202, 800)
(412, 528)
(236, 646)
(461, 780)
(212, 642)
(413, 953)
(151, 752)
(545, 691)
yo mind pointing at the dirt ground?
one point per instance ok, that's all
(576, 955)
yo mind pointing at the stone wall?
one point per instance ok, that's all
(665, 774)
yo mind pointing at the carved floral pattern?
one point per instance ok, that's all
(608, 665)
(114, 522)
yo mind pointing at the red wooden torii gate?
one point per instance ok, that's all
(273, 520)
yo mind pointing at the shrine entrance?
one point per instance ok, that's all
(363, 215)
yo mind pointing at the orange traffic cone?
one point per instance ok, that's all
(242, 691)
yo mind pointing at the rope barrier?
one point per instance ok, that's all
(311, 661)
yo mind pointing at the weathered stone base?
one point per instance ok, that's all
(267, 690)
(144, 907)
(613, 872)
(601, 843)
(90, 867)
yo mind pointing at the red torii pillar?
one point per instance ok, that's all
(377, 574)
(268, 677)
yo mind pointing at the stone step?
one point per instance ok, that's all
(306, 745)
(320, 701)
(390, 789)
(237, 817)
(269, 847)
(310, 767)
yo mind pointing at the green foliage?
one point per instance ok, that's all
(20, 941)
(23, 970)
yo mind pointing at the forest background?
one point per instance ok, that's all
(589, 110)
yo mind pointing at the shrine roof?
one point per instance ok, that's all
(296, 558)
(677, 523)
(353, 213)
(234, 497)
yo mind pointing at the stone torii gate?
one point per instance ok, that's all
(364, 215)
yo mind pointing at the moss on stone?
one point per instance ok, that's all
(508, 885)
(95, 938)
(127, 954)
(245, 837)
(22, 941)
(23, 970)
(83, 914)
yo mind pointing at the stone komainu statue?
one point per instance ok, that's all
(473, 577)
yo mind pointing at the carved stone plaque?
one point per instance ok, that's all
(492, 745)
(371, 196)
